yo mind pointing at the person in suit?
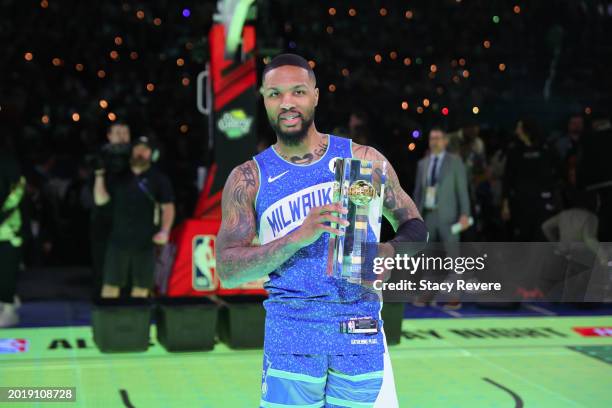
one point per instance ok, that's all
(441, 191)
(441, 195)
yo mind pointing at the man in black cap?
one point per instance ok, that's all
(143, 213)
(113, 157)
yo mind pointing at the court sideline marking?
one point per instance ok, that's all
(126, 399)
(518, 401)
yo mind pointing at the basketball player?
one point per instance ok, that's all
(277, 211)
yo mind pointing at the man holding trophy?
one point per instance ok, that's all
(306, 212)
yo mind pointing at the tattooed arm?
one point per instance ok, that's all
(238, 259)
(398, 206)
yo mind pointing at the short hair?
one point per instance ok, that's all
(438, 128)
(289, 59)
(118, 123)
(532, 129)
(361, 114)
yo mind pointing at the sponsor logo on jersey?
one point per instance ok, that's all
(273, 179)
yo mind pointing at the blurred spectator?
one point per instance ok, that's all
(578, 253)
(466, 143)
(568, 144)
(40, 206)
(12, 189)
(441, 193)
(142, 215)
(114, 158)
(596, 172)
(359, 127)
(577, 223)
(529, 183)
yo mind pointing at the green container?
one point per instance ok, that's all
(242, 321)
(186, 324)
(393, 316)
(121, 325)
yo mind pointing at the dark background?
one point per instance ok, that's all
(431, 50)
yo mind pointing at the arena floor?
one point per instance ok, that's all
(473, 362)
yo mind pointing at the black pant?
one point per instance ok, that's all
(9, 266)
(122, 264)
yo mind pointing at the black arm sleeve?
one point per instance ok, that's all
(411, 237)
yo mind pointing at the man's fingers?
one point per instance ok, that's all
(334, 207)
(332, 231)
(332, 218)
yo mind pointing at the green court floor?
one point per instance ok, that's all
(484, 362)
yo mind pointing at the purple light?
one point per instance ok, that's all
(186, 13)
(416, 134)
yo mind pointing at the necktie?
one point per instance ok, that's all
(433, 177)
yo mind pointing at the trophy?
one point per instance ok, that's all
(359, 186)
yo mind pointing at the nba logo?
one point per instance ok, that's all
(11, 346)
(203, 262)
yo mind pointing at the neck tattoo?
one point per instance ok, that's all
(309, 157)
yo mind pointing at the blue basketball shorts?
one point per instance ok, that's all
(315, 381)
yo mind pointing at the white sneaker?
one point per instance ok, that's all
(8, 315)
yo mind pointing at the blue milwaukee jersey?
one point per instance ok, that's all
(305, 306)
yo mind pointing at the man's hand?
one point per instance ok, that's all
(161, 238)
(464, 220)
(505, 211)
(314, 223)
(101, 195)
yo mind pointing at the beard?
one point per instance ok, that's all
(293, 137)
(140, 162)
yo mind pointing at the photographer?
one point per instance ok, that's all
(142, 214)
(114, 158)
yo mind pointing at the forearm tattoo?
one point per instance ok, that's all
(398, 207)
(238, 259)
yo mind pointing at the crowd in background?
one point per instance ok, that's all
(503, 81)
